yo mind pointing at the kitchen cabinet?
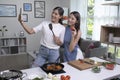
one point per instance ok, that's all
(12, 45)
(113, 29)
(104, 36)
(106, 30)
(117, 19)
(110, 28)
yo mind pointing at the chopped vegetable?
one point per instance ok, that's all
(96, 69)
(65, 77)
(50, 75)
(38, 78)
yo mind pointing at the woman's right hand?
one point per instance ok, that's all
(57, 40)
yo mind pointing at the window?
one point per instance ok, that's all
(90, 18)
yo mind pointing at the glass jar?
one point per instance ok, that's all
(21, 33)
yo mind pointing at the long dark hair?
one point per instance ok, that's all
(78, 18)
(61, 12)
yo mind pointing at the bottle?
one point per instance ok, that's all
(109, 55)
(110, 37)
(21, 33)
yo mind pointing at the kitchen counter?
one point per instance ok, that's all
(80, 74)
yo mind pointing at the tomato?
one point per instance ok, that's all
(110, 66)
(65, 77)
(62, 77)
(65, 18)
(72, 29)
(81, 61)
(68, 77)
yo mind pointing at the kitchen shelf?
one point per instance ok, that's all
(12, 45)
(112, 4)
(104, 36)
(106, 30)
(109, 31)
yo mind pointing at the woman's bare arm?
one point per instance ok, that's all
(74, 41)
(27, 29)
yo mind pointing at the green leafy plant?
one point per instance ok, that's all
(3, 29)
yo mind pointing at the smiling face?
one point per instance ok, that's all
(72, 20)
(55, 16)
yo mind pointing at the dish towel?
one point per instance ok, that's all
(79, 54)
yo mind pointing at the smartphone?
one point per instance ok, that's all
(21, 14)
(20, 11)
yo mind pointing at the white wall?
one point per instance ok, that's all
(81, 7)
(14, 26)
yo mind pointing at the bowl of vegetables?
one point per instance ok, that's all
(109, 65)
(96, 69)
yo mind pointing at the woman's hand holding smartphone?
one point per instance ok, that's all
(20, 16)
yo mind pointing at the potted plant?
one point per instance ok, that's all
(3, 29)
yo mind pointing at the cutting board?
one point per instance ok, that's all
(84, 63)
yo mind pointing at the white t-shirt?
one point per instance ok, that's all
(47, 36)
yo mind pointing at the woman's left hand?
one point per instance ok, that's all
(74, 33)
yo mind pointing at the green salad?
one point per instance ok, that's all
(96, 69)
